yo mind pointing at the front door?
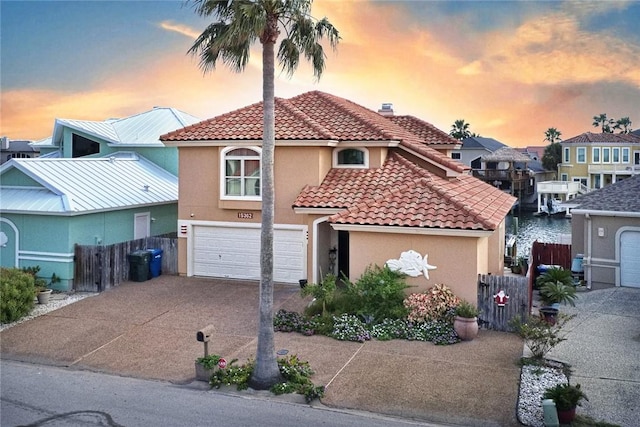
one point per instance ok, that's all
(142, 225)
(343, 253)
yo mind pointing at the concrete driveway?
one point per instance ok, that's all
(147, 330)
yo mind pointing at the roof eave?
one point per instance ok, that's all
(412, 230)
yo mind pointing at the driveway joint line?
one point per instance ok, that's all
(344, 366)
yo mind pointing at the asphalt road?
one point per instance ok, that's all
(35, 395)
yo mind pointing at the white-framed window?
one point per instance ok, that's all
(566, 157)
(455, 156)
(581, 180)
(240, 173)
(625, 154)
(636, 157)
(615, 154)
(595, 155)
(351, 158)
(606, 155)
(581, 154)
(564, 177)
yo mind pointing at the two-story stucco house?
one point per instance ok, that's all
(599, 159)
(353, 188)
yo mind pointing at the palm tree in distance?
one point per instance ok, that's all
(237, 25)
(603, 122)
(553, 152)
(623, 124)
(460, 130)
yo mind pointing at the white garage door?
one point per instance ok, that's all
(234, 252)
(630, 259)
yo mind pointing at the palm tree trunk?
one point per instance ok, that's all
(266, 372)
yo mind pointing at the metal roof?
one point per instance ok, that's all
(85, 185)
(140, 129)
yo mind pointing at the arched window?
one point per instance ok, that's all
(241, 173)
(351, 158)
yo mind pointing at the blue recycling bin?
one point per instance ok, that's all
(155, 262)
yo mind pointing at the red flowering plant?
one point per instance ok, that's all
(436, 303)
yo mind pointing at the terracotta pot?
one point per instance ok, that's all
(549, 314)
(567, 416)
(466, 328)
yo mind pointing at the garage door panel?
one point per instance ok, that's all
(630, 259)
(234, 252)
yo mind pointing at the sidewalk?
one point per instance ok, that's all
(147, 330)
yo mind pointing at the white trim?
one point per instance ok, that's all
(47, 256)
(223, 172)
(314, 249)
(584, 149)
(617, 248)
(593, 151)
(448, 171)
(318, 211)
(411, 230)
(337, 151)
(622, 214)
(16, 255)
(147, 225)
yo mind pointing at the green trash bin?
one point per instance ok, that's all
(139, 266)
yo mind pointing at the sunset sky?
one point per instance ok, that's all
(510, 69)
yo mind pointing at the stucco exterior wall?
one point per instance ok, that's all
(455, 259)
(602, 254)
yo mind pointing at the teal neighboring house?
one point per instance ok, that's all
(95, 183)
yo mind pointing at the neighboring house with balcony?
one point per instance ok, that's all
(353, 188)
(97, 183)
(589, 161)
(513, 170)
(17, 149)
(599, 159)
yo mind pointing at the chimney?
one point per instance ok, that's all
(386, 109)
(4, 142)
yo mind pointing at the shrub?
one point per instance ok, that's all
(295, 373)
(322, 292)
(437, 303)
(349, 328)
(376, 295)
(539, 336)
(565, 396)
(209, 362)
(17, 290)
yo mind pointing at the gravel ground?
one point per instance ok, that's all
(534, 380)
(58, 300)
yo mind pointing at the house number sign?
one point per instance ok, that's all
(245, 215)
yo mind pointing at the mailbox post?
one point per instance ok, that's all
(204, 335)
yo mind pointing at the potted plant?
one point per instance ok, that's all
(567, 398)
(465, 322)
(44, 290)
(555, 293)
(554, 275)
(207, 365)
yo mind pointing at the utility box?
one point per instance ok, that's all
(139, 266)
(155, 262)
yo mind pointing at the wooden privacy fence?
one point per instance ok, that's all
(550, 254)
(98, 268)
(496, 313)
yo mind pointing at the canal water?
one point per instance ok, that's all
(529, 228)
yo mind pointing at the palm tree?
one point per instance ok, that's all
(237, 25)
(553, 152)
(603, 122)
(460, 130)
(624, 124)
(552, 135)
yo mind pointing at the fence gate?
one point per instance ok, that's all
(500, 299)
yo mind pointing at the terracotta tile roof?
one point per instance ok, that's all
(430, 134)
(603, 137)
(403, 194)
(315, 116)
